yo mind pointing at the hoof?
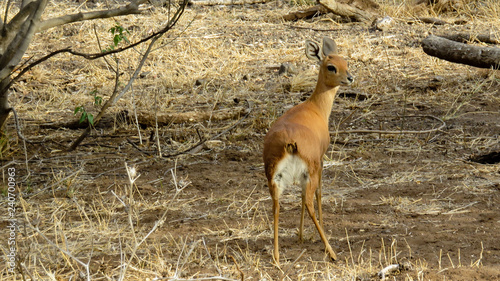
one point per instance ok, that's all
(333, 258)
(332, 254)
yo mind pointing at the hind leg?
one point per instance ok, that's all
(309, 201)
(274, 189)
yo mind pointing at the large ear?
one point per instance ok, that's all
(313, 50)
(329, 46)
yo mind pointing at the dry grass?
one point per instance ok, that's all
(91, 220)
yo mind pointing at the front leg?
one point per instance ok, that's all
(318, 201)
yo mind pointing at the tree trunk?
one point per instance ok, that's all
(483, 57)
(4, 103)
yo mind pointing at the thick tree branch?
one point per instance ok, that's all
(168, 26)
(14, 53)
(131, 8)
(484, 57)
(12, 28)
(20, 17)
(4, 19)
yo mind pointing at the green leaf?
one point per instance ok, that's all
(83, 117)
(97, 100)
(77, 109)
(116, 39)
(90, 117)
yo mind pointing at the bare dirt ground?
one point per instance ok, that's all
(422, 200)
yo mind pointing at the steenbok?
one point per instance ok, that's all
(295, 144)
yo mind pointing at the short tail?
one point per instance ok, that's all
(291, 148)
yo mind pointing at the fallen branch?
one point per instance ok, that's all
(468, 37)
(346, 10)
(306, 14)
(130, 8)
(443, 124)
(483, 57)
(148, 118)
(434, 21)
(224, 2)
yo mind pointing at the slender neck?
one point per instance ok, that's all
(323, 97)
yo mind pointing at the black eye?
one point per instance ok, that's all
(332, 68)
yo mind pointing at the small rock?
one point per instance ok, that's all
(435, 82)
(214, 144)
(287, 68)
(383, 24)
(199, 82)
(144, 74)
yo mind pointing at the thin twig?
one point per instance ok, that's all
(138, 148)
(285, 273)
(100, 49)
(238, 268)
(18, 127)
